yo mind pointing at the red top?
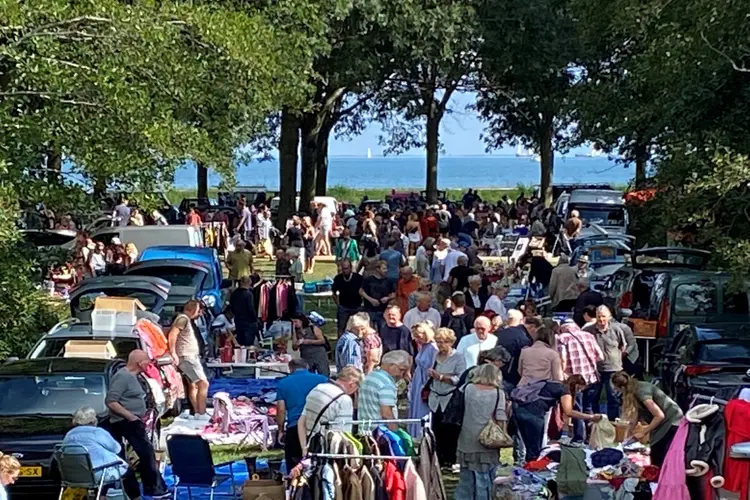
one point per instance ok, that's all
(737, 471)
(394, 482)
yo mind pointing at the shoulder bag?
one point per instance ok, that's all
(493, 435)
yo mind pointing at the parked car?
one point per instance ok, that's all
(709, 360)
(45, 238)
(38, 398)
(629, 288)
(200, 204)
(606, 208)
(186, 266)
(607, 254)
(253, 194)
(328, 201)
(144, 237)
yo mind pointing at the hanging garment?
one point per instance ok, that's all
(328, 483)
(153, 337)
(429, 466)
(415, 489)
(671, 485)
(265, 290)
(394, 482)
(368, 484)
(389, 442)
(406, 441)
(704, 447)
(737, 471)
(282, 298)
(572, 473)
(378, 483)
(352, 484)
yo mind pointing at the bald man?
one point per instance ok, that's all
(126, 401)
(480, 339)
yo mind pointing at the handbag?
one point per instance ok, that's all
(493, 436)
(425, 393)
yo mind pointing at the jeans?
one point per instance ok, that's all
(246, 333)
(135, 434)
(579, 426)
(292, 448)
(473, 485)
(613, 399)
(300, 303)
(342, 317)
(531, 427)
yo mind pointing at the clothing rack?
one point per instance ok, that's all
(362, 457)
(710, 399)
(426, 421)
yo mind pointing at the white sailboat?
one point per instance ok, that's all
(369, 153)
(522, 152)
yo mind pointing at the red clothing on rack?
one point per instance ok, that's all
(394, 482)
(736, 471)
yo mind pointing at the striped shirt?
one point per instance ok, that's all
(348, 351)
(376, 390)
(319, 397)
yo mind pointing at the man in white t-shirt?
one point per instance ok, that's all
(245, 226)
(451, 260)
(422, 312)
(480, 340)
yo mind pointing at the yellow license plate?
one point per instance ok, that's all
(30, 472)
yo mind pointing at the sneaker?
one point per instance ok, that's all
(161, 496)
(203, 417)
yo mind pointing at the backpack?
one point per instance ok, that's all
(454, 410)
(529, 392)
(458, 325)
(444, 219)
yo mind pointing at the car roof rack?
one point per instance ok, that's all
(62, 324)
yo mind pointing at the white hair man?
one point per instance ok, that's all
(498, 290)
(513, 338)
(378, 395)
(479, 340)
(422, 312)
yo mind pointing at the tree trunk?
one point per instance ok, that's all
(288, 142)
(54, 164)
(321, 179)
(309, 163)
(433, 142)
(202, 180)
(547, 161)
(100, 188)
(641, 160)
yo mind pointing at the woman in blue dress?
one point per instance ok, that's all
(424, 336)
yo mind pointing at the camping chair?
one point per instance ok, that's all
(193, 465)
(76, 471)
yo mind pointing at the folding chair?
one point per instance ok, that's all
(76, 471)
(193, 465)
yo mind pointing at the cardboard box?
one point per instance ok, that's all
(643, 328)
(99, 349)
(272, 490)
(119, 304)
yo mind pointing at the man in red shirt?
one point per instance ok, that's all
(431, 223)
(193, 218)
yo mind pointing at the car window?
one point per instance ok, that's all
(177, 276)
(105, 238)
(85, 302)
(55, 347)
(723, 352)
(734, 300)
(659, 286)
(696, 298)
(53, 394)
(47, 239)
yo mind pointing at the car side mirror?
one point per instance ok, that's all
(164, 360)
(626, 313)
(10, 359)
(226, 283)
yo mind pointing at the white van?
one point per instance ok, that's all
(603, 208)
(150, 236)
(328, 201)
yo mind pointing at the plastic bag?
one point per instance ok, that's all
(602, 434)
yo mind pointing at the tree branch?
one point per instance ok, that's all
(357, 103)
(741, 69)
(67, 63)
(57, 24)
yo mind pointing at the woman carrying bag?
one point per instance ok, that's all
(484, 423)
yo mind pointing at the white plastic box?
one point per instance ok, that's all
(103, 319)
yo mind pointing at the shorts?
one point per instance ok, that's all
(325, 229)
(192, 369)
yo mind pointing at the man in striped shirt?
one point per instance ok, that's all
(378, 396)
(330, 402)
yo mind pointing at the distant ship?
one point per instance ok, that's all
(595, 152)
(523, 152)
(369, 153)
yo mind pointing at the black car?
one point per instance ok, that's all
(709, 360)
(38, 398)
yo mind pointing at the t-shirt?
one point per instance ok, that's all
(461, 274)
(348, 290)
(293, 391)
(470, 346)
(186, 344)
(294, 235)
(248, 216)
(496, 305)
(318, 398)
(396, 338)
(449, 262)
(414, 316)
(325, 217)
(513, 339)
(377, 288)
(239, 263)
(672, 412)
(394, 259)
(351, 224)
(193, 219)
(124, 388)
(376, 390)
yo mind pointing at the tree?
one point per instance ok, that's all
(526, 54)
(434, 52)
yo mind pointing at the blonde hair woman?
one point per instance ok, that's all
(449, 365)
(484, 399)
(424, 336)
(10, 467)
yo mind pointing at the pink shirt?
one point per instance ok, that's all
(539, 362)
(414, 486)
